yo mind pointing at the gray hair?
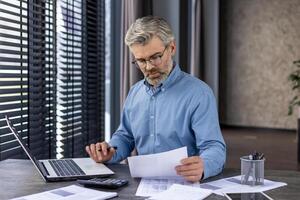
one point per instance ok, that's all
(143, 30)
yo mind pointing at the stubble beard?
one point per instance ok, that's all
(163, 76)
(157, 81)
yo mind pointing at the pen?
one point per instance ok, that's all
(261, 156)
(108, 148)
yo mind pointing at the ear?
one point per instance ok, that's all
(173, 47)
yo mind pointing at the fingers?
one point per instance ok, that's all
(90, 151)
(191, 169)
(99, 153)
(190, 160)
(194, 172)
(193, 178)
(87, 149)
(102, 148)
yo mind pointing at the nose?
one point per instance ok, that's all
(149, 66)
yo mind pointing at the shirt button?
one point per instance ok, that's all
(152, 116)
(152, 98)
(162, 89)
(151, 135)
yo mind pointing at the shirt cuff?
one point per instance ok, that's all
(210, 168)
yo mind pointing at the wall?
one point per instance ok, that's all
(260, 40)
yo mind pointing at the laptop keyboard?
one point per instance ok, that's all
(66, 168)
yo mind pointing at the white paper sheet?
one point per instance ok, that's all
(149, 187)
(182, 192)
(232, 185)
(72, 192)
(156, 165)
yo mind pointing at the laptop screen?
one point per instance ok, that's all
(23, 145)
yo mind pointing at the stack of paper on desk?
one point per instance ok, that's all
(233, 185)
(72, 192)
(182, 192)
(156, 165)
(149, 186)
(157, 171)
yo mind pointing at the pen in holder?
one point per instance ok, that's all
(252, 169)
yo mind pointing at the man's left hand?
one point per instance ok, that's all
(191, 168)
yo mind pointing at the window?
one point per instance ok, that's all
(13, 73)
(52, 72)
(107, 69)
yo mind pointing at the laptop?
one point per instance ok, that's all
(63, 169)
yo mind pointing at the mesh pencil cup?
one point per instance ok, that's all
(252, 171)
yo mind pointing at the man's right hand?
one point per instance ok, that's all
(100, 152)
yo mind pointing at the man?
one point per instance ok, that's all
(169, 109)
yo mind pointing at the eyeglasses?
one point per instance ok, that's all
(154, 59)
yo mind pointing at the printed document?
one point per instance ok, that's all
(72, 192)
(182, 192)
(149, 187)
(233, 185)
(156, 165)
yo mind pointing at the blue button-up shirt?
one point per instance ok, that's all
(180, 112)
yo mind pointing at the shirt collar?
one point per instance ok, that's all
(175, 73)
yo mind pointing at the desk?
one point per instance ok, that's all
(19, 178)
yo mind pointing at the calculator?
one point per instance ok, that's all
(109, 183)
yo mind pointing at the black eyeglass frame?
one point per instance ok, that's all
(152, 59)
